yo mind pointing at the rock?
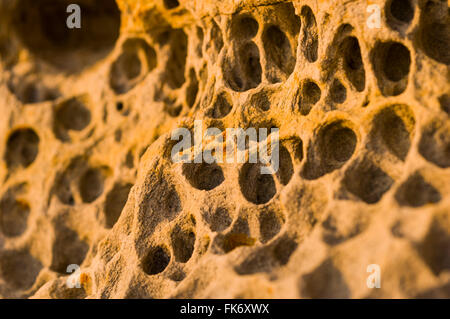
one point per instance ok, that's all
(89, 190)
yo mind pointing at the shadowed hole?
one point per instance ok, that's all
(218, 220)
(29, 90)
(416, 192)
(286, 169)
(243, 73)
(200, 36)
(310, 95)
(434, 144)
(19, 268)
(91, 185)
(156, 261)
(367, 181)
(244, 27)
(115, 201)
(397, 63)
(267, 258)
(13, 216)
(203, 176)
(171, 4)
(261, 101)
(214, 41)
(68, 249)
(434, 31)
(353, 64)
(222, 106)
(136, 59)
(335, 145)
(62, 187)
(399, 13)
(325, 281)
(444, 101)
(249, 57)
(257, 188)
(394, 130)
(71, 115)
(279, 52)
(270, 223)
(183, 242)
(338, 92)
(176, 63)
(435, 244)
(41, 25)
(310, 36)
(392, 62)
(192, 89)
(22, 148)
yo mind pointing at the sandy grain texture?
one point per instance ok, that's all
(86, 176)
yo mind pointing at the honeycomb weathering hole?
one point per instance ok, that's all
(176, 64)
(353, 64)
(68, 248)
(444, 101)
(416, 192)
(22, 148)
(270, 223)
(244, 26)
(136, 59)
(394, 126)
(73, 115)
(91, 185)
(399, 13)
(310, 36)
(192, 89)
(338, 92)
(257, 188)
(218, 219)
(434, 144)
(279, 54)
(286, 169)
(19, 268)
(171, 4)
(183, 242)
(41, 25)
(221, 107)
(203, 176)
(310, 95)
(261, 100)
(156, 261)
(434, 31)
(397, 63)
(392, 63)
(243, 72)
(13, 216)
(325, 281)
(367, 181)
(335, 145)
(115, 201)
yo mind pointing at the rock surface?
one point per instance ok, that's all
(86, 176)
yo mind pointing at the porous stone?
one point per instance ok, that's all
(86, 175)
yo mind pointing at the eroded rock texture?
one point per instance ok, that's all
(86, 176)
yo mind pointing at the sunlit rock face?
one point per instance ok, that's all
(90, 196)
